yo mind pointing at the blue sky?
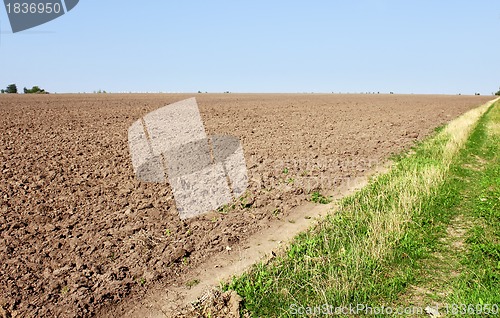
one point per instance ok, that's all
(425, 46)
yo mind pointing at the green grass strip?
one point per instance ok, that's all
(479, 280)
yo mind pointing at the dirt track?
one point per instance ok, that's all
(77, 231)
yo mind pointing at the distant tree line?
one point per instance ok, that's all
(12, 89)
(34, 90)
(498, 93)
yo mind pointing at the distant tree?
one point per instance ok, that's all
(34, 90)
(2, 91)
(477, 94)
(11, 89)
(498, 93)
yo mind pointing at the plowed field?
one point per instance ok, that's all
(78, 231)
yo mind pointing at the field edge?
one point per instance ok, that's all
(367, 250)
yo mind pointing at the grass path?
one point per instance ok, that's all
(464, 270)
(433, 283)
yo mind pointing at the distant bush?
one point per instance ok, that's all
(498, 93)
(35, 90)
(11, 89)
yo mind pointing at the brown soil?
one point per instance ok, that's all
(79, 232)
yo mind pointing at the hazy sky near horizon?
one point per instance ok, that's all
(443, 47)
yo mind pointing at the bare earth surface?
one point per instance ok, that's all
(79, 232)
